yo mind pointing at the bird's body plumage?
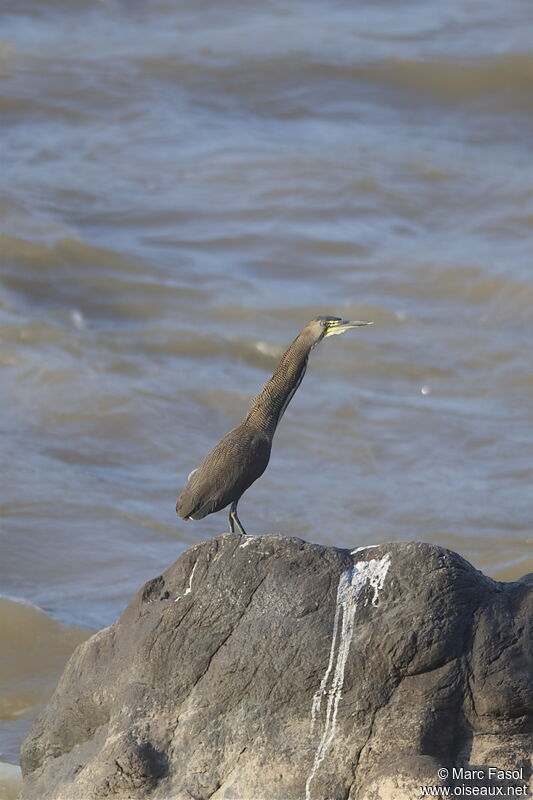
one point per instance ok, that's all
(243, 454)
(224, 475)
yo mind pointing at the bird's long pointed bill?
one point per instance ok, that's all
(335, 328)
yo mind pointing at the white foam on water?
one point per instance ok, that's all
(188, 590)
(77, 319)
(268, 349)
(351, 585)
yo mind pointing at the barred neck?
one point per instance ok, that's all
(268, 407)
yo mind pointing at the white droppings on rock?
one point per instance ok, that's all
(364, 547)
(376, 571)
(247, 541)
(188, 590)
(351, 584)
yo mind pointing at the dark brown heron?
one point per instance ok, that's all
(241, 457)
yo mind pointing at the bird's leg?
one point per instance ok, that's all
(234, 519)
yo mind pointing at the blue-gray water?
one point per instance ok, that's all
(183, 187)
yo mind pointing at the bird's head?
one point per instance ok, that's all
(332, 326)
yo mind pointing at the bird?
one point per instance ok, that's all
(242, 456)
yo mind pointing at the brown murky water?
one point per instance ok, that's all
(182, 189)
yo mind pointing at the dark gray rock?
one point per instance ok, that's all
(272, 669)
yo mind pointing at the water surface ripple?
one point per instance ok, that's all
(183, 188)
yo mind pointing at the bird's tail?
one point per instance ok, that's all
(187, 508)
(182, 509)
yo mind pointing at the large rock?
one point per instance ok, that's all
(272, 669)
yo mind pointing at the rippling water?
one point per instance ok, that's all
(183, 188)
